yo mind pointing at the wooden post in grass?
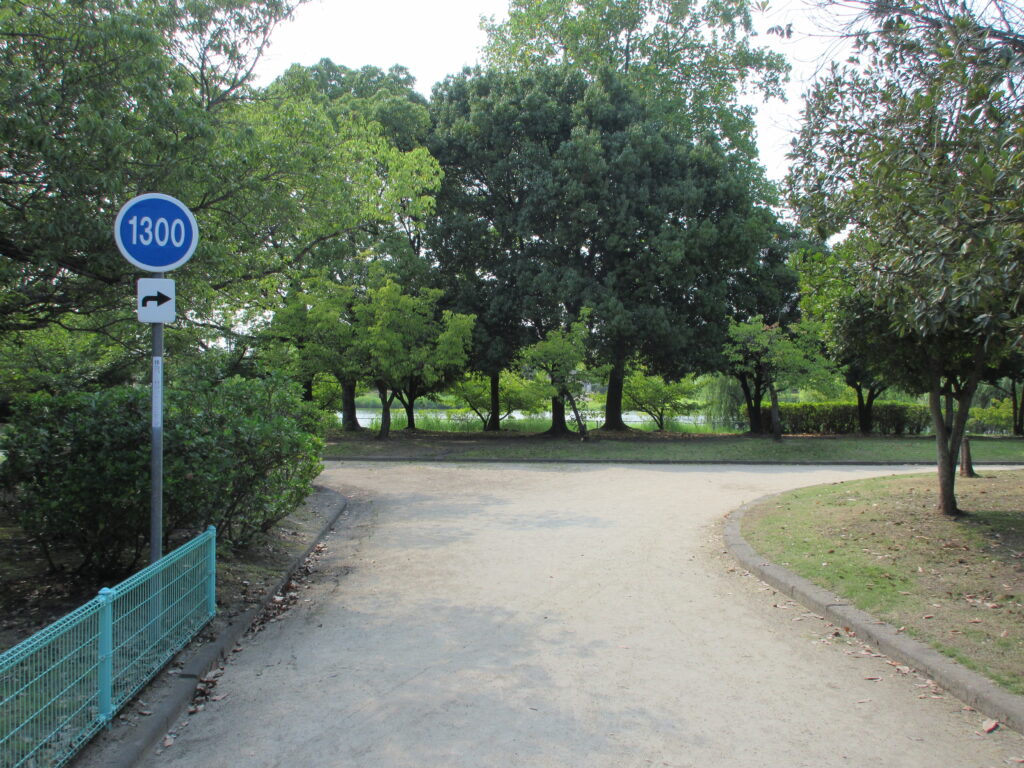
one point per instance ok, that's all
(966, 465)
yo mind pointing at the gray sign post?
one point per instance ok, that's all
(156, 233)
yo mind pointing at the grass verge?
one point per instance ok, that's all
(637, 445)
(954, 583)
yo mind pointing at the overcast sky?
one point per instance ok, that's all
(436, 38)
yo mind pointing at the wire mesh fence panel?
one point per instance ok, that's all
(63, 684)
(156, 613)
(49, 691)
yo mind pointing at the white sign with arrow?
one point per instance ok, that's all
(154, 301)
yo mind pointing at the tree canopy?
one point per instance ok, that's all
(695, 58)
(916, 145)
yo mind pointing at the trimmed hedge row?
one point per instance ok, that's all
(841, 418)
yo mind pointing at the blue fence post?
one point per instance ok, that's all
(105, 670)
(211, 572)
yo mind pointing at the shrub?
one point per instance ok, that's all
(240, 454)
(841, 418)
(996, 419)
(77, 476)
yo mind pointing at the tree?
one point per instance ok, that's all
(568, 192)
(411, 349)
(103, 100)
(919, 148)
(516, 393)
(495, 136)
(560, 355)
(659, 399)
(857, 334)
(366, 182)
(777, 356)
(766, 286)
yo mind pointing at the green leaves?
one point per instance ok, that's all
(238, 454)
(695, 58)
(658, 398)
(409, 346)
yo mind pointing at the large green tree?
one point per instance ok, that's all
(496, 137)
(766, 286)
(100, 101)
(369, 181)
(564, 192)
(917, 145)
(857, 334)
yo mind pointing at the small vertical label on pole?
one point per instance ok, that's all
(158, 388)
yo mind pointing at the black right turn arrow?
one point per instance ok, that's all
(159, 299)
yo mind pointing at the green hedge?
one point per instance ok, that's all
(841, 418)
(240, 454)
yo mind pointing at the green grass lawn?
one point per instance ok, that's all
(648, 446)
(955, 583)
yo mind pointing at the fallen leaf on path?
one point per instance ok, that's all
(990, 725)
(168, 740)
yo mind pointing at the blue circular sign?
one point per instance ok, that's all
(156, 232)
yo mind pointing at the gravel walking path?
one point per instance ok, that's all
(492, 615)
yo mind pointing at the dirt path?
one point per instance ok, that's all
(564, 616)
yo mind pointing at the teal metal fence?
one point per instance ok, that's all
(63, 684)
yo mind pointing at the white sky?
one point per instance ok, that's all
(435, 38)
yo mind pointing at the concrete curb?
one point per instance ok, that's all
(168, 710)
(968, 686)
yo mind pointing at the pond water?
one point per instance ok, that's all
(367, 416)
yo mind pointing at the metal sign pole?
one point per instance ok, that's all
(156, 497)
(156, 233)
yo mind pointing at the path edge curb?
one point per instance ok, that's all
(970, 687)
(166, 713)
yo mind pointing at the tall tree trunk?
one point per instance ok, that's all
(494, 417)
(558, 425)
(385, 411)
(613, 402)
(410, 413)
(950, 427)
(945, 462)
(776, 418)
(349, 417)
(966, 463)
(753, 408)
(863, 418)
